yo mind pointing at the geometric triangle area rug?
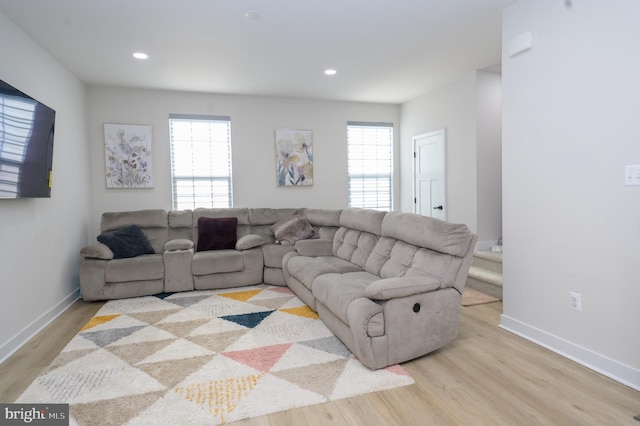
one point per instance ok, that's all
(203, 358)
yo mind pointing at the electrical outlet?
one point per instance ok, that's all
(575, 301)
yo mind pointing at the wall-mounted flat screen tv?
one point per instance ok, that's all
(26, 145)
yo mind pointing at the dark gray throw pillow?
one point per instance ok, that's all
(127, 242)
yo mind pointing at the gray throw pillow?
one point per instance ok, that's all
(294, 228)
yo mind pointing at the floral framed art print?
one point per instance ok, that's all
(294, 157)
(128, 156)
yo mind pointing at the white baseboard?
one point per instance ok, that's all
(16, 342)
(611, 368)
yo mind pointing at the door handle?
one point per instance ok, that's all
(438, 208)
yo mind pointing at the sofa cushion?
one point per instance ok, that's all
(401, 259)
(273, 254)
(324, 217)
(337, 291)
(314, 248)
(363, 219)
(268, 216)
(293, 228)
(354, 245)
(127, 242)
(306, 269)
(153, 218)
(265, 232)
(180, 224)
(141, 268)
(380, 255)
(428, 232)
(432, 263)
(217, 233)
(217, 261)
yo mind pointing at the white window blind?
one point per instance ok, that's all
(16, 126)
(370, 165)
(200, 161)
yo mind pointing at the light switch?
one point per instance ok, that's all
(632, 175)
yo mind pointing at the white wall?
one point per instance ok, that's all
(570, 124)
(489, 156)
(469, 110)
(40, 238)
(253, 124)
(452, 107)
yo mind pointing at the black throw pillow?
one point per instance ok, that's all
(127, 242)
(217, 233)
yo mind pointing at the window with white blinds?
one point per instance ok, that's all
(370, 165)
(200, 161)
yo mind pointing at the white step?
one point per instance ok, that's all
(491, 277)
(485, 274)
(488, 260)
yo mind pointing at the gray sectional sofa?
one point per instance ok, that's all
(388, 285)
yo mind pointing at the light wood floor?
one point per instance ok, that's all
(486, 377)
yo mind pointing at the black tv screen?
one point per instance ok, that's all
(26, 145)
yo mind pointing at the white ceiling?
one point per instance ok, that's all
(384, 50)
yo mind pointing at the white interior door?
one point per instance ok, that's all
(429, 173)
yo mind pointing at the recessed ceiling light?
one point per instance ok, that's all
(252, 14)
(140, 55)
(330, 72)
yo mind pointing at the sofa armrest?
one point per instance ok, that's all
(315, 248)
(249, 241)
(97, 251)
(391, 288)
(178, 244)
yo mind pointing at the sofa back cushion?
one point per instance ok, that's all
(431, 263)
(427, 232)
(180, 224)
(390, 258)
(353, 245)
(152, 223)
(396, 258)
(414, 245)
(261, 220)
(325, 222)
(363, 220)
(358, 234)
